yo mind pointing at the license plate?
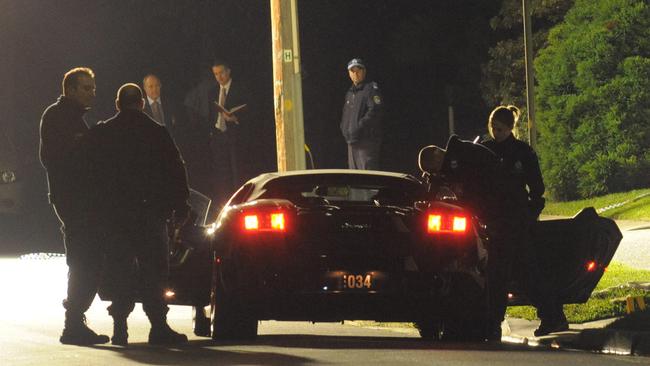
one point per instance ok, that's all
(358, 281)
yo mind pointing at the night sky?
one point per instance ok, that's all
(424, 55)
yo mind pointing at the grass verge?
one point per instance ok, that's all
(607, 301)
(634, 209)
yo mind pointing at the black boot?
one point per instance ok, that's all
(552, 320)
(162, 334)
(547, 327)
(76, 332)
(493, 333)
(120, 335)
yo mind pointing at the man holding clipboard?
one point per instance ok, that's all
(228, 111)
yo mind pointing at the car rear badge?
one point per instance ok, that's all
(349, 226)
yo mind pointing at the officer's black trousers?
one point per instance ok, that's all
(364, 155)
(137, 263)
(511, 246)
(505, 235)
(538, 288)
(225, 167)
(84, 260)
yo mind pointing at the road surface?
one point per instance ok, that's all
(31, 317)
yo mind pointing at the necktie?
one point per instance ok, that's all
(156, 110)
(221, 122)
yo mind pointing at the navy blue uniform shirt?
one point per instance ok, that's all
(362, 113)
(522, 164)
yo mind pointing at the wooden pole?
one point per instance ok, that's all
(287, 85)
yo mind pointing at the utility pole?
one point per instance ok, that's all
(530, 74)
(449, 93)
(287, 86)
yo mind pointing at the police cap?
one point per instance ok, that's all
(356, 62)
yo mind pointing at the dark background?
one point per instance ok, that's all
(425, 55)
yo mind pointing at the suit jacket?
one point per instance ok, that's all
(169, 113)
(237, 95)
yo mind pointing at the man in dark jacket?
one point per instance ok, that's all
(63, 130)
(479, 179)
(361, 119)
(140, 182)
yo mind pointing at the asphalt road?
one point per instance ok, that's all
(31, 317)
(634, 249)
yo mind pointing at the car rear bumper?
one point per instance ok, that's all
(392, 297)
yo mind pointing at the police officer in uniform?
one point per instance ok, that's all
(63, 131)
(361, 120)
(521, 162)
(477, 177)
(141, 183)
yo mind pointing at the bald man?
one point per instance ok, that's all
(141, 183)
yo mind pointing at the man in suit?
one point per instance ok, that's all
(227, 132)
(154, 107)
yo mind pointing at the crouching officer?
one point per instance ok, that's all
(477, 177)
(141, 181)
(521, 162)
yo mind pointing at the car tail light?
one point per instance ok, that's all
(459, 224)
(591, 266)
(251, 222)
(441, 223)
(277, 221)
(266, 221)
(434, 223)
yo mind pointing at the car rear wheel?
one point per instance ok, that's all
(232, 317)
(430, 329)
(464, 330)
(468, 325)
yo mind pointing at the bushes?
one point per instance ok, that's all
(594, 100)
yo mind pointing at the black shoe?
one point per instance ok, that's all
(120, 340)
(80, 335)
(164, 335)
(548, 327)
(120, 335)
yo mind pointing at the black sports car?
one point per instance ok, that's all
(333, 245)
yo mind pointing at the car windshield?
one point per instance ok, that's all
(344, 189)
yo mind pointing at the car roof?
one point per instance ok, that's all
(263, 182)
(270, 176)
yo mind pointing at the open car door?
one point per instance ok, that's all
(190, 261)
(573, 254)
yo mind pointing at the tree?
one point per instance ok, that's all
(504, 76)
(594, 99)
